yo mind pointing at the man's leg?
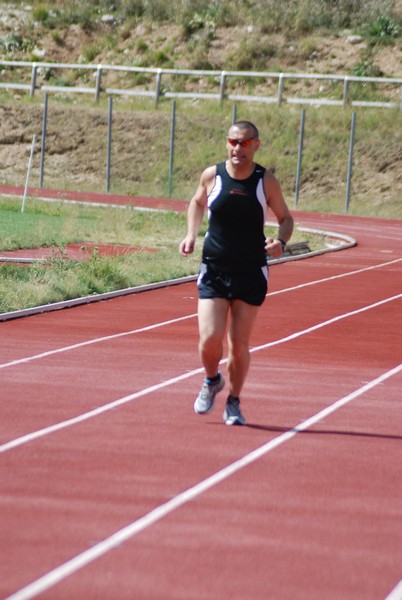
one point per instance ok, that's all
(212, 317)
(242, 320)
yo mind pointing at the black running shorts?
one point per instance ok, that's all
(249, 286)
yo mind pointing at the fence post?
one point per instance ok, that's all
(299, 159)
(33, 79)
(43, 146)
(158, 86)
(28, 174)
(98, 82)
(280, 88)
(350, 161)
(109, 144)
(234, 114)
(171, 157)
(222, 87)
(346, 83)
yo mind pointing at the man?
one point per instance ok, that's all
(233, 277)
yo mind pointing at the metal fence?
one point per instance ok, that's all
(220, 80)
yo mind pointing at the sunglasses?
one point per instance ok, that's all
(242, 143)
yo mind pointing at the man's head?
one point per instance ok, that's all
(247, 126)
(242, 142)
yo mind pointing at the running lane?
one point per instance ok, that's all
(99, 437)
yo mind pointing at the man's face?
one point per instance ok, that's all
(241, 145)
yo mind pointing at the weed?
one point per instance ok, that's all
(132, 8)
(366, 68)
(57, 38)
(160, 59)
(253, 53)
(141, 46)
(384, 30)
(307, 47)
(91, 52)
(14, 42)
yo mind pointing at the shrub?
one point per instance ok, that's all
(366, 68)
(383, 30)
(40, 14)
(91, 52)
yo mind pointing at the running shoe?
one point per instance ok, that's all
(206, 398)
(232, 414)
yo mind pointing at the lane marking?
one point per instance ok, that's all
(348, 274)
(29, 437)
(105, 338)
(119, 537)
(396, 593)
(293, 336)
(27, 359)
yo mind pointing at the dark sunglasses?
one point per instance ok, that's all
(242, 143)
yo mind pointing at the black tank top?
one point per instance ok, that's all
(235, 239)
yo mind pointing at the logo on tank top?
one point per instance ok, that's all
(238, 192)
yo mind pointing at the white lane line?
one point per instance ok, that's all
(105, 338)
(348, 274)
(396, 593)
(29, 437)
(119, 537)
(297, 334)
(162, 324)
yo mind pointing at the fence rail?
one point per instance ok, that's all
(219, 77)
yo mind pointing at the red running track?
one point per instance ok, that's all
(112, 488)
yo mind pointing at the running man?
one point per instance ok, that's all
(233, 277)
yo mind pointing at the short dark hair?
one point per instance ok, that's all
(247, 125)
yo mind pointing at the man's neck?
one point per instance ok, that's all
(240, 171)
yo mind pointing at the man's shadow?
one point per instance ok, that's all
(279, 429)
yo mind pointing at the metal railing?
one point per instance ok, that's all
(220, 79)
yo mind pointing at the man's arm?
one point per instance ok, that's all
(279, 207)
(196, 209)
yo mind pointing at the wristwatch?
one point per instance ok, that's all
(283, 244)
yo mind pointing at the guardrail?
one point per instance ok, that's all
(219, 77)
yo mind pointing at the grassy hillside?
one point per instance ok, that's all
(259, 35)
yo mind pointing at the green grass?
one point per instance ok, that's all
(56, 225)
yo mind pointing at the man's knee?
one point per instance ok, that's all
(211, 340)
(238, 349)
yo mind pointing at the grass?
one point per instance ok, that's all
(56, 225)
